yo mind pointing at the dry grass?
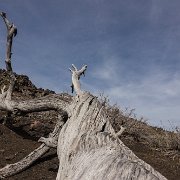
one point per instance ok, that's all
(140, 131)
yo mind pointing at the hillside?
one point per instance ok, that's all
(158, 147)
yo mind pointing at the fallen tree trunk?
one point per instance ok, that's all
(88, 147)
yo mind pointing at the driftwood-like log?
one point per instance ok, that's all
(87, 146)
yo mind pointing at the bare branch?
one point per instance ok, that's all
(12, 169)
(51, 102)
(23, 164)
(82, 70)
(70, 69)
(11, 86)
(74, 67)
(52, 140)
(11, 33)
(119, 133)
(75, 78)
(3, 89)
(3, 93)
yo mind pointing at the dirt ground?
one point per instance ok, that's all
(13, 147)
(169, 166)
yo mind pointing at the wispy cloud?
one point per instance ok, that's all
(107, 71)
(155, 96)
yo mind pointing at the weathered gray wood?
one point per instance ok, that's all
(15, 168)
(50, 102)
(23, 164)
(11, 33)
(76, 74)
(88, 147)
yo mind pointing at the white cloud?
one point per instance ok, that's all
(107, 71)
(155, 96)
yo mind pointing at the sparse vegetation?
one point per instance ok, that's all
(139, 130)
(137, 133)
(83, 131)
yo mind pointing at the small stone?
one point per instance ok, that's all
(8, 158)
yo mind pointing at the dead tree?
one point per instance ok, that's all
(87, 146)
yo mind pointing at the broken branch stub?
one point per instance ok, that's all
(76, 74)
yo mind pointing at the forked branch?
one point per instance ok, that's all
(76, 74)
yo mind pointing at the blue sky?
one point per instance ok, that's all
(132, 49)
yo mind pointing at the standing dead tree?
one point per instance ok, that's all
(87, 145)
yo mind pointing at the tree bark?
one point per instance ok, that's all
(11, 33)
(88, 147)
(51, 102)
